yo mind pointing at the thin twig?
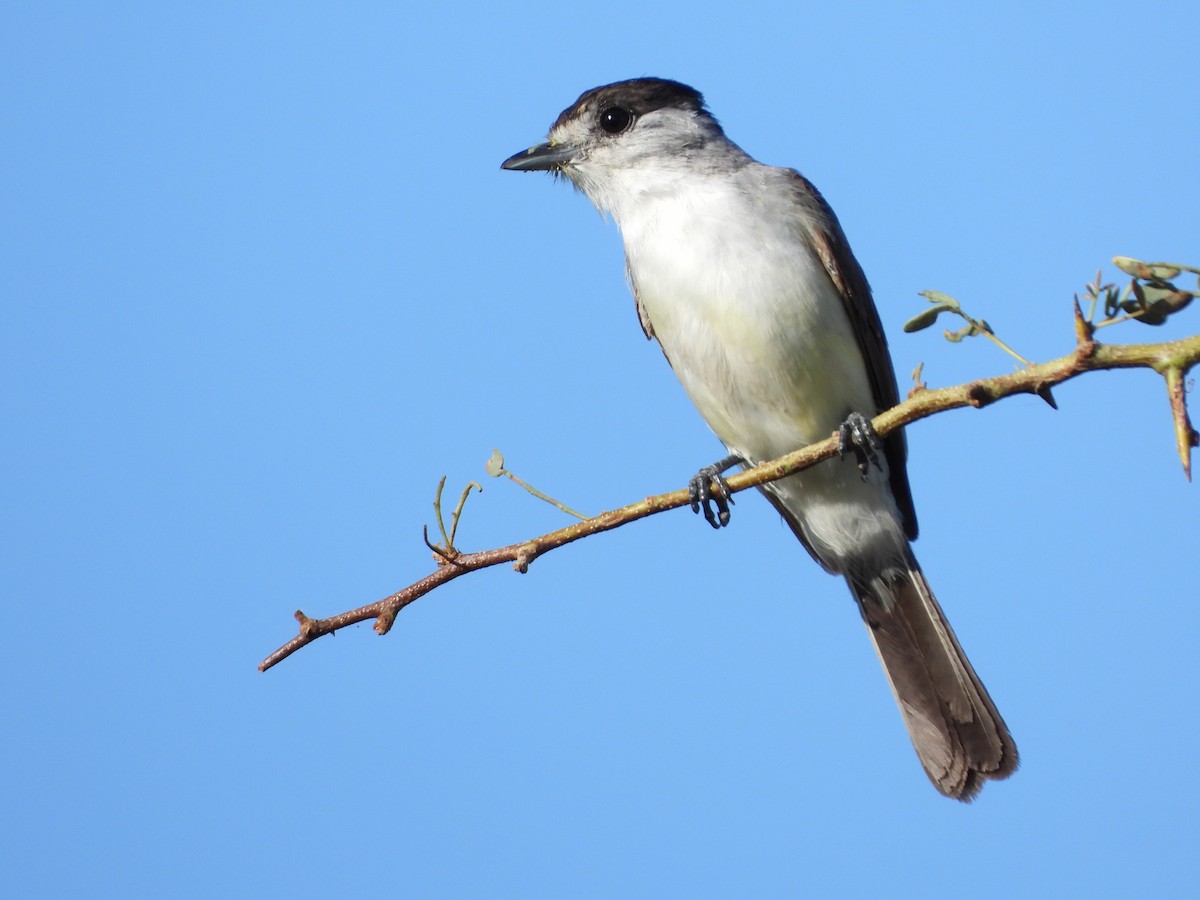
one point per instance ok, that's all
(985, 329)
(1172, 360)
(541, 496)
(437, 511)
(458, 510)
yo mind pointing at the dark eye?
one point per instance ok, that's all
(614, 120)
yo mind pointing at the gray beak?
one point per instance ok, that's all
(542, 158)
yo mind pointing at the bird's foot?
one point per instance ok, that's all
(857, 434)
(708, 489)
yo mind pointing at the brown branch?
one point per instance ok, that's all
(1172, 360)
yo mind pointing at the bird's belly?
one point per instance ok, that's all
(761, 340)
(771, 363)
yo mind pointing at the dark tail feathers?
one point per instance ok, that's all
(955, 728)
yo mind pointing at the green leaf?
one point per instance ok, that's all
(1162, 302)
(926, 318)
(1113, 303)
(495, 464)
(939, 298)
(1128, 265)
(1146, 271)
(1164, 271)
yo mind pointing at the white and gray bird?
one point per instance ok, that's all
(742, 274)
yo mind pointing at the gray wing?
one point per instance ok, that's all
(824, 234)
(643, 316)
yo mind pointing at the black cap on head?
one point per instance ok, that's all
(638, 95)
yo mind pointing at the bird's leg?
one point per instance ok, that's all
(707, 487)
(858, 434)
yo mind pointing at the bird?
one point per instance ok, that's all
(743, 275)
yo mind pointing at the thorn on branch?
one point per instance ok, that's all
(1084, 330)
(1043, 391)
(1185, 435)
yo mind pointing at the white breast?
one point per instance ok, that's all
(745, 312)
(757, 333)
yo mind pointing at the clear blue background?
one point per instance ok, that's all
(264, 283)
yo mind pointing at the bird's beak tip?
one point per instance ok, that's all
(542, 158)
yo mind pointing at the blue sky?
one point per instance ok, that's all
(264, 283)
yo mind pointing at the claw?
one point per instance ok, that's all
(858, 434)
(708, 489)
